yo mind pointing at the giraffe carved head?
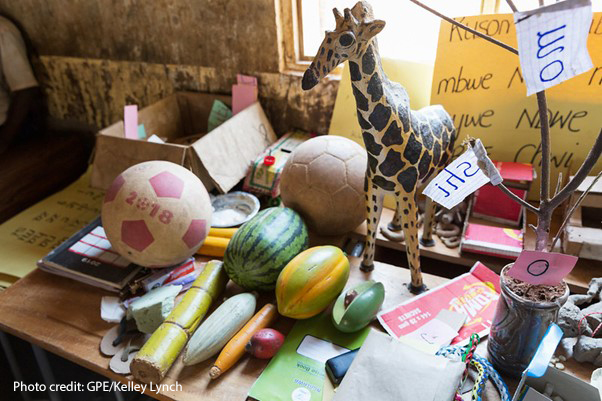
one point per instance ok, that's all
(353, 33)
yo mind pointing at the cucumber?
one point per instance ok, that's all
(219, 328)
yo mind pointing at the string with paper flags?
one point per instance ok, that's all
(485, 370)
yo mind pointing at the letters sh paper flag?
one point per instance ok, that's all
(462, 177)
(552, 43)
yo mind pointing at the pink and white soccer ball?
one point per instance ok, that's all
(156, 214)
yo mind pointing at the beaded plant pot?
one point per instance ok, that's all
(518, 327)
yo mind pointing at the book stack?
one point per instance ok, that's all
(89, 258)
(495, 223)
(502, 242)
(491, 204)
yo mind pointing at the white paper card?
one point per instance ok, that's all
(486, 163)
(552, 43)
(431, 336)
(456, 181)
(318, 349)
(111, 310)
(154, 138)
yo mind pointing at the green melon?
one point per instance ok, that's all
(263, 246)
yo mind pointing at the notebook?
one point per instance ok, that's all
(88, 257)
(502, 242)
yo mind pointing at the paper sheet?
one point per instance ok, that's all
(244, 93)
(387, 370)
(552, 43)
(220, 113)
(111, 309)
(548, 268)
(30, 235)
(130, 121)
(141, 132)
(458, 180)
(474, 294)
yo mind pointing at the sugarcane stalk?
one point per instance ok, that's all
(161, 350)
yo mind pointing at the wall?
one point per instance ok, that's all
(97, 56)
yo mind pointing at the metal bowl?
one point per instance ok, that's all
(233, 209)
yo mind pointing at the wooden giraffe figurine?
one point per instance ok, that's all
(405, 147)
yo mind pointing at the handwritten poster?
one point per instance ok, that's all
(482, 87)
(552, 43)
(30, 235)
(456, 181)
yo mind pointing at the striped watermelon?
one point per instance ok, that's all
(262, 246)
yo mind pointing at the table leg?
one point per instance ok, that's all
(12, 362)
(46, 371)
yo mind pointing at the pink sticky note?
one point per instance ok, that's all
(547, 268)
(246, 79)
(242, 97)
(130, 121)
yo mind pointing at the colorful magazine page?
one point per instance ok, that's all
(502, 242)
(297, 372)
(474, 294)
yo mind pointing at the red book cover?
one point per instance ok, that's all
(491, 203)
(496, 241)
(511, 171)
(474, 294)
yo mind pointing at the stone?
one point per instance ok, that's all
(559, 366)
(579, 299)
(594, 314)
(595, 286)
(151, 309)
(588, 349)
(568, 320)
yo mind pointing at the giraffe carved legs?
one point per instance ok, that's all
(393, 231)
(395, 224)
(429, 220)
(410, 229)
(374, 201)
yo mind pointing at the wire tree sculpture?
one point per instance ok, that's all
(547, 203)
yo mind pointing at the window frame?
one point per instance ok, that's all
(292, 39)
(291, 31)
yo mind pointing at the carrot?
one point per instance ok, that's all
(235, 348)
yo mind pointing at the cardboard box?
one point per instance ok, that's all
(220, 158)
(566, 386)
(264, 179)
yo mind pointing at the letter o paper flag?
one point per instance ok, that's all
(552, 43)
(548, 268)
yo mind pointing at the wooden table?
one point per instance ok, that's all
(63, 317)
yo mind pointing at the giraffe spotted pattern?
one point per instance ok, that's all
(405, 147)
